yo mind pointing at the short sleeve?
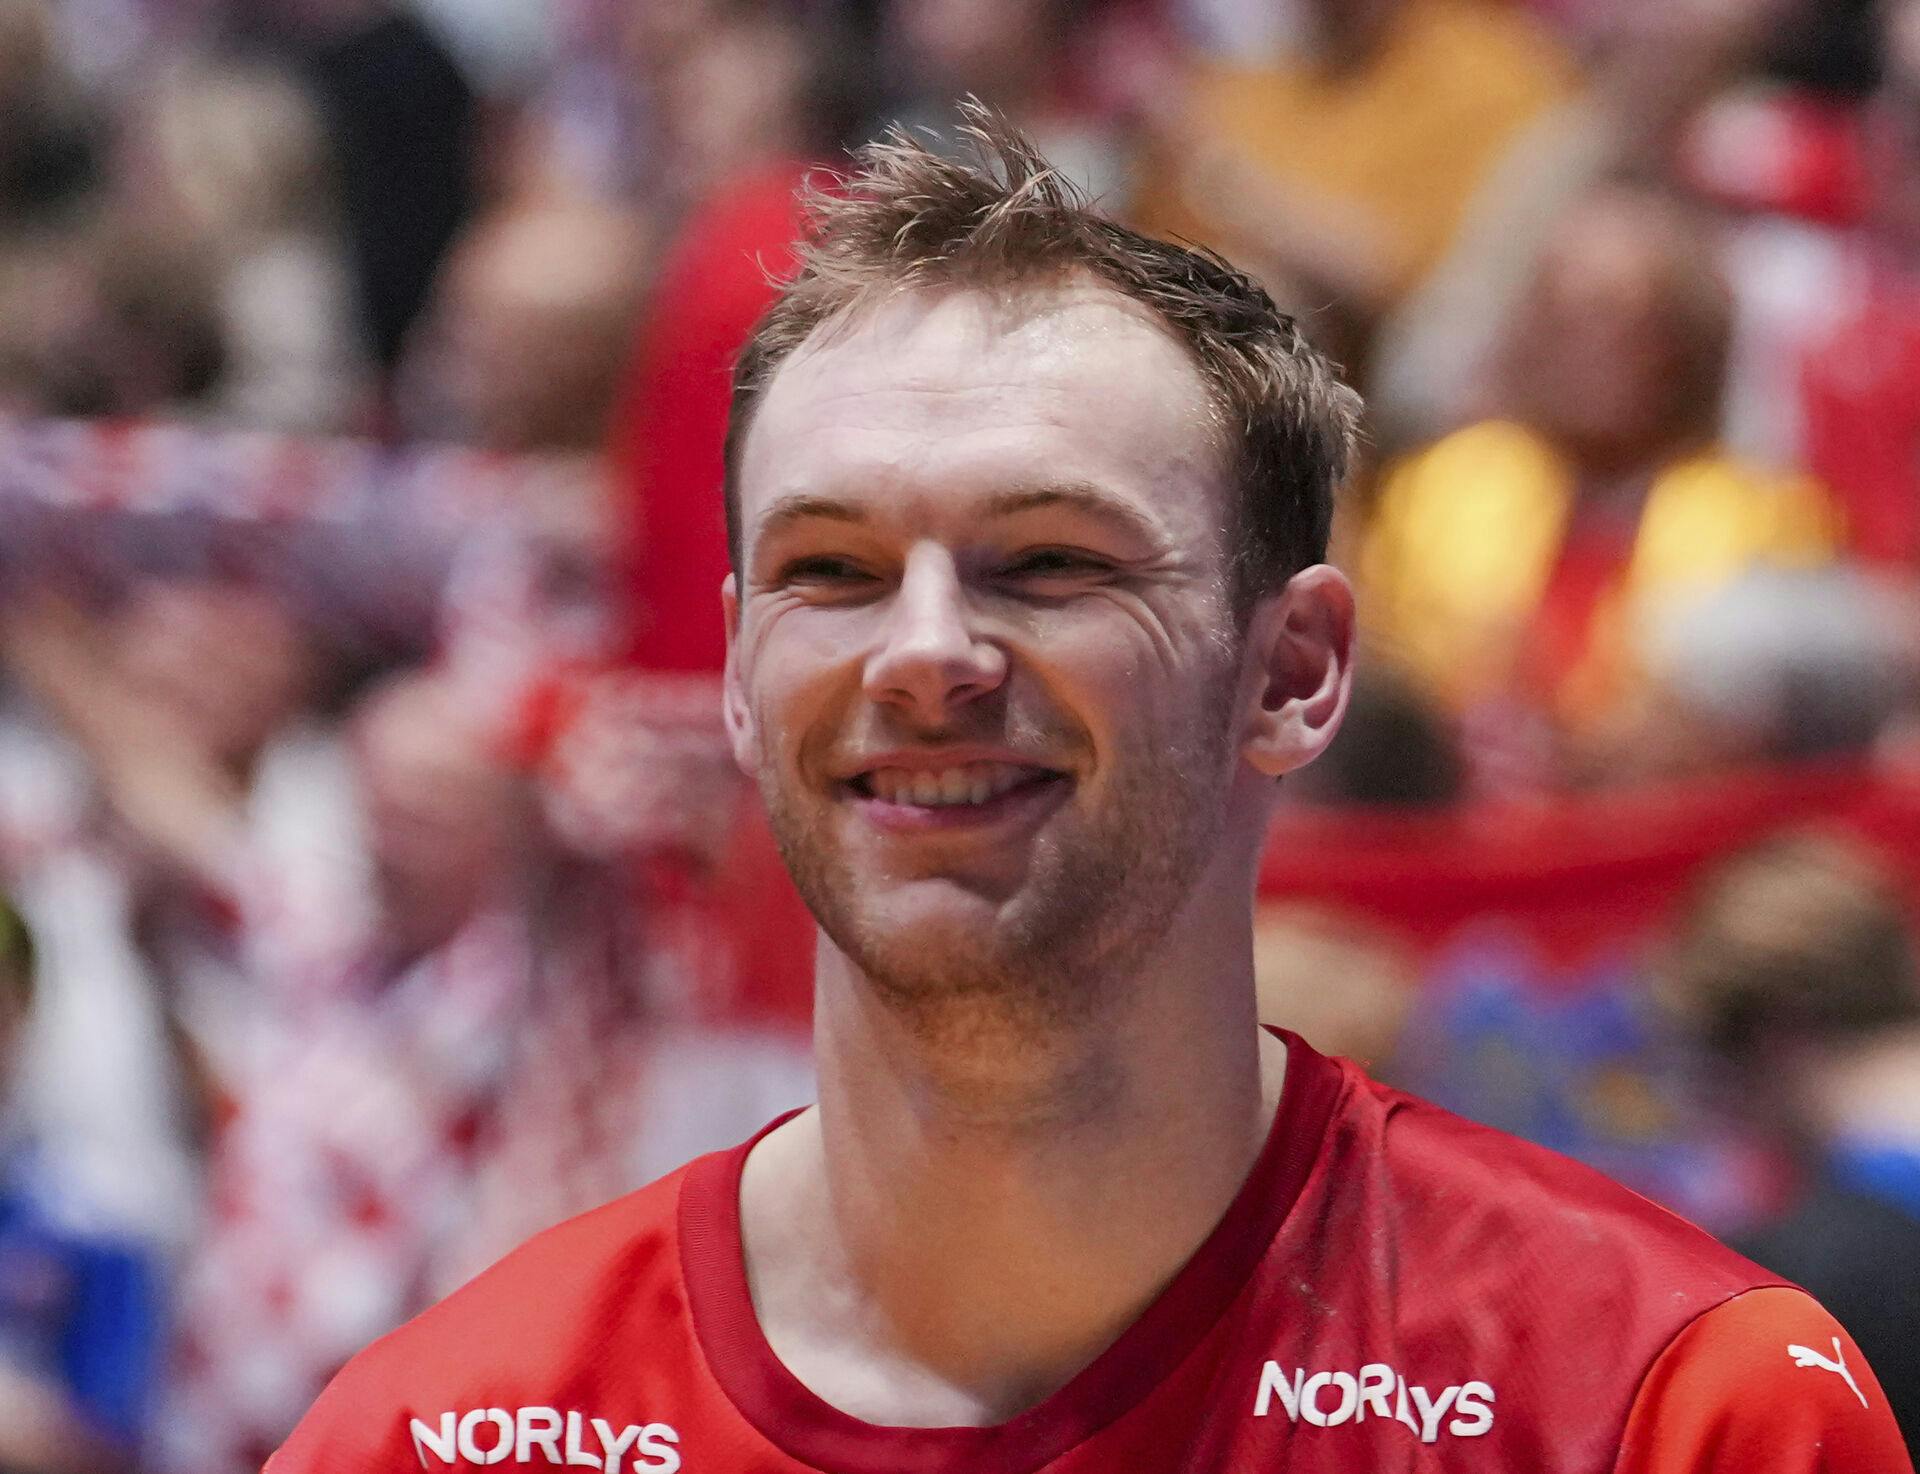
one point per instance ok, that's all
(354, 1428)
(1765, 1383)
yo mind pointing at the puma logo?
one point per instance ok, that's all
(1806, 1356)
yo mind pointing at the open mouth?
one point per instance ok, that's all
(963, 786)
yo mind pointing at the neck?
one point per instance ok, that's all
(977, 1210)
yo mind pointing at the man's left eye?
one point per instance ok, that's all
(1057, 563)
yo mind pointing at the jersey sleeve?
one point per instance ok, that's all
(351, 1429)
(1765, 1383)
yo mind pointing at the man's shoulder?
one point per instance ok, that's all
(561, 1271)
(1469, 1192)
(1434, 1259)
(549, 1318)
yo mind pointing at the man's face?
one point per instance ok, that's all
(984, 666)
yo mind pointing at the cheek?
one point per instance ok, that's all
(801, 668)
(1132, 675)
(1142, 650)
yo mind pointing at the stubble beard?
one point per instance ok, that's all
(1099, 893)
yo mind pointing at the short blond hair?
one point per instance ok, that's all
(909, 217)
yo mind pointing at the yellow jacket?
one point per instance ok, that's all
(1466, 534)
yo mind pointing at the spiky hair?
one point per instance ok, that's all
(992, 213)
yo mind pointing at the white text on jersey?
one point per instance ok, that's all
(1328, 1399)
(493, 1435)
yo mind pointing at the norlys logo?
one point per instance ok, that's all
(494, 1435)
(1328, 1399)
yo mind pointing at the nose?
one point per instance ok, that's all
(931, 657)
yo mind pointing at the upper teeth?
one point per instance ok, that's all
(970, 783)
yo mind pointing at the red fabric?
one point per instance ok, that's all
(1184, 1315)
(712, 288)
(1860, 402)
(1594, 555)
(1581, 873)
(1394, 1288)
(1782, 153)
(738, 931)
(1827, 163)
(1776, 1347)
(634, 765)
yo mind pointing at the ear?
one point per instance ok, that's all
(1301, 642)
(738, 715)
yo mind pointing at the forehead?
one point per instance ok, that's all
(927, 400)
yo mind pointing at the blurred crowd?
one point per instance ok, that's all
(377, 887)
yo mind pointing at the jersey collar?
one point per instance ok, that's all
(807, 1428)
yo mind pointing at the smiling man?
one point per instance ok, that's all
(1028, 615)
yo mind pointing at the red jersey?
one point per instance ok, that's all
(1393, 1289)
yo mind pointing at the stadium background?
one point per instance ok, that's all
(378, 889)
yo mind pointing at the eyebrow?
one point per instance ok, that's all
(1079, 496)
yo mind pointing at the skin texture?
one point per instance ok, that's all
(1022, 633)
(989, 523)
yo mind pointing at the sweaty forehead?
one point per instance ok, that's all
(970, 389)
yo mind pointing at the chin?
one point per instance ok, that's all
(937, 931)
(947, 954)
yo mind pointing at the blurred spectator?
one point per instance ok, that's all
(343, 1160)
(47, 146)
(747, 99)
(740, 122)
(530, 326)
(1775, 667)
(186, 699)
(80, 1314)
(1825, 257)
(401, 124)
(491, 1059)
(227, 161)
(1501, 562)
(1038, 62)
(1649, 65)
(523, 351)
(109, 321)
(1341, 168)
(1795, 965)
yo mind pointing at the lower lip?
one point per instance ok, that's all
(1030, 800)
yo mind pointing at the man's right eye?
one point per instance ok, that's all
(824, 571)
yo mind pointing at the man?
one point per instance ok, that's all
(1027, 617)
(1794, 969)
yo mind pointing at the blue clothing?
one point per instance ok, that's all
(1886, 1170)
(80, 1309)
